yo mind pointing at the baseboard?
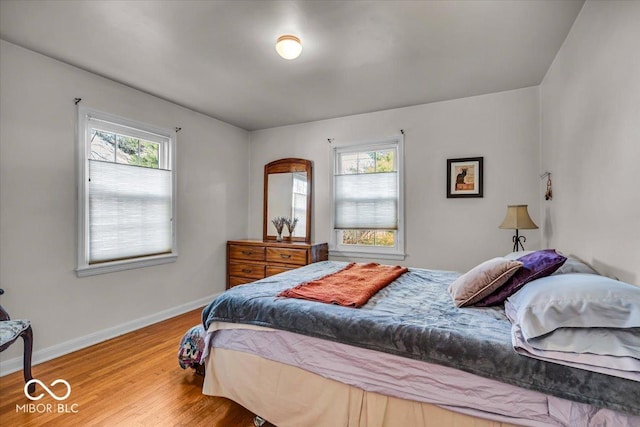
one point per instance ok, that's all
(13, 365)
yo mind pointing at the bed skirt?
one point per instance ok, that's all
(288, 396)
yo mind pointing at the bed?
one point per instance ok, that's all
(408, 357)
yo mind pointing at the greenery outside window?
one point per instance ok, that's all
(126, 194)
(368, 200)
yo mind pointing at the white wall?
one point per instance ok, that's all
(590, 112)
(38, 208)
(440, 233)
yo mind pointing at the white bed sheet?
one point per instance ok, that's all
(618, 366)
(409, 379)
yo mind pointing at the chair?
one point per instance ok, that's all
(10, 331)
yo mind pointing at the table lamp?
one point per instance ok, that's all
(518, 219)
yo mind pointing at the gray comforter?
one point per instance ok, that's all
(415, 317)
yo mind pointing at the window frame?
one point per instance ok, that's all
(365, 251)
(167, 140)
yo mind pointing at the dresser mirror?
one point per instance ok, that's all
(287, 193)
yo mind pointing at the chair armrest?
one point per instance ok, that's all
(3, 313)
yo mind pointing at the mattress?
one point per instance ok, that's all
(288, 396)
(400, 378)
(414, 318)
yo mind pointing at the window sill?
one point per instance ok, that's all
(110, 267)
(362, 254)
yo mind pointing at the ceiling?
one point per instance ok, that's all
(218, 57)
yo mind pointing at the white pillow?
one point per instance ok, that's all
(574, 264)
(574, 301)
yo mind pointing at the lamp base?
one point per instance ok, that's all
(517, 242)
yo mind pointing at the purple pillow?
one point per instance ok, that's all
(534, 266)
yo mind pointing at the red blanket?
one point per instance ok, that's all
(351, 287)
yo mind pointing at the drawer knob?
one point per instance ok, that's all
(247, 252)
(246, 270)
(285, 256)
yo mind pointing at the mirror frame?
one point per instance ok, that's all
(284, 166)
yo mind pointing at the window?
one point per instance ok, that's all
(126, 194)
(368, 199)
(299, 202)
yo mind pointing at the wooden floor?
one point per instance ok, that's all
(131, 380)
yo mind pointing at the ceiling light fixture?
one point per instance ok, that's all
(288, 46)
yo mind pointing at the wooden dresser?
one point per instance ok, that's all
(250, 260)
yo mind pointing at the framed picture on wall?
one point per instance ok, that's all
(464, 177)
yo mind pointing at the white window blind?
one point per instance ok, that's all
(130, 211)
(126, 194)
(366, 201)
(300, 203)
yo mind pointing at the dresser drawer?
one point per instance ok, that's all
(249, 260)
(253, 253)
(287, 256)
(235, 281)
(251, 271)
(273, 269)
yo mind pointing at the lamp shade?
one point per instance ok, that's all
(517, 218)
(288, 46)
